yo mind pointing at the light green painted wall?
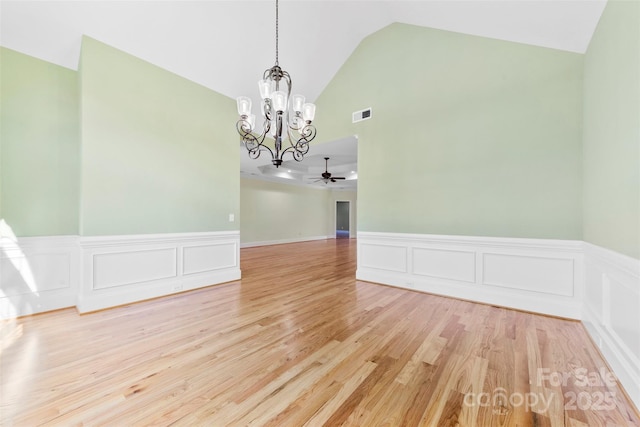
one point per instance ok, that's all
(40, 146)
(155, 149)
(273, 212)
(469, 135)
(612, 131)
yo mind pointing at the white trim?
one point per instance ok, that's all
(119, 270)
(611, 277)
(506, 242)
(38, 274)
(119, 240)
(539, 275)
(283, 241)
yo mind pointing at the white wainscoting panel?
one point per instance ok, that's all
(200, 259)
(445, 264)
(612, 312)
(387, 257)
(119, 270)
(131, 267)
(529, 273)
(37, 274)
(539, 275)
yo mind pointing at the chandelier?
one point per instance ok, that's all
(285, 117)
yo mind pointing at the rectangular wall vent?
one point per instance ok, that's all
(361, 115)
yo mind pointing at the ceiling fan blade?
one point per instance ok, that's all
(338, 177)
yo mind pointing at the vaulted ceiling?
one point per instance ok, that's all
(226, 45)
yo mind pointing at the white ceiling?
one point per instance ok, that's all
(226, 45)
(342, 153)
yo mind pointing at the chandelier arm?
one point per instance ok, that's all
(301, 147)
(307, 134)
(269, 72)
(255, 150)
(287, 78)
(254, 144)
(295, 153)
(292, 138)
(244, 129)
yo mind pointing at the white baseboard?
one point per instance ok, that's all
(283, 241)
(538, 275)
(612, 312)
(119, 270)
(38, 274)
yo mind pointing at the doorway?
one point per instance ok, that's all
(342, 219)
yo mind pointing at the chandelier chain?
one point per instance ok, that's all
(277, 32)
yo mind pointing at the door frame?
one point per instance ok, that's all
(335, 218)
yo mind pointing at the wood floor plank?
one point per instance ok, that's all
(292, 345)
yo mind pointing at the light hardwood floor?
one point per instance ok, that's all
(300, 342)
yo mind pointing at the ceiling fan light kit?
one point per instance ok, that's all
(285, 117)
(326, 175)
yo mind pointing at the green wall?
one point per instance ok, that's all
(39, 146)
(155, 149)
(469, 135)
(273, 211)
(120, 147)
(612, 131)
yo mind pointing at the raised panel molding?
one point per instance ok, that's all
(388, 257)
(203, 258)
(539, 275)
(612, 312)
(38, 274)
(445, 264)
(120, 270)
(128, 268)
(554, 276)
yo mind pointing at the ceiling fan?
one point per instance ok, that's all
(326, 175)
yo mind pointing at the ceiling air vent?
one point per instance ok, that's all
(361, 115)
